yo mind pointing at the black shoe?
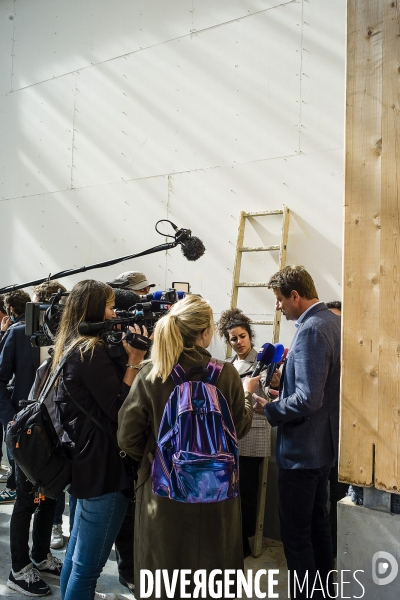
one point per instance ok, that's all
(130, 586)
(50, 566)
(28, 582)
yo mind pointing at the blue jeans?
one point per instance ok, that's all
(72, 509)
(97, 522)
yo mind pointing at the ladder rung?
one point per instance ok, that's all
(265, 213)
(256, 284)
(258, 248)
(262, 322)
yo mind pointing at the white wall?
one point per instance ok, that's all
(116, 114)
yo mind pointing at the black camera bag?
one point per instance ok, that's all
(35, 446)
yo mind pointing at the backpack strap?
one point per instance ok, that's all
(178, 374)
(214, 369)
(52, 378)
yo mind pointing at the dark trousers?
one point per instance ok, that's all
(337, 491)
(124, 544)
(24, 508)
(305, 530)
(249, 474)
(60, 507)
(11, 478)
(11, 484)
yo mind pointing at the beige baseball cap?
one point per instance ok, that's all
(131, 280)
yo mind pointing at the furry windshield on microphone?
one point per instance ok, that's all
(192, 248)
(124, 299)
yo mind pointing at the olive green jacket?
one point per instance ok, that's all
(170, 534)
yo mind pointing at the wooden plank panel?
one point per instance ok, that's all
(387, 474)
(360, 350)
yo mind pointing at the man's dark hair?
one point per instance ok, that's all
(232, 318)
(292, 278)
(46, 289)
(17, 299)
(334, 304)
(2, 307)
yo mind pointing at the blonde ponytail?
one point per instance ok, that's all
(177, 331)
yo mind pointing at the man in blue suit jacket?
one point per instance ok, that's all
(307, 417)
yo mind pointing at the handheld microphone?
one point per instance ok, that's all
(264, 357)
(279, 353)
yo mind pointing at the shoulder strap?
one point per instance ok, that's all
(50, 380)
(90, 417)
(210, 373)
(214, 368)
(178, 374)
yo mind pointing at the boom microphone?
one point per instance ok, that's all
(192, 247)
(264, 357)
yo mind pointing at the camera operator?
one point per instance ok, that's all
(3, 315)
(42, 294)
(21, 360)
(124, 550)
(124, 300)
(133, 280)
(91, 382)
(18, 364)
(5, 320)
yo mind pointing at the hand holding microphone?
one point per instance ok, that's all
(264, 357)
(250, 384)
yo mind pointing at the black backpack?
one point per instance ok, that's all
(36, 448)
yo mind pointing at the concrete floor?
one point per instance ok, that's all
(272, 557)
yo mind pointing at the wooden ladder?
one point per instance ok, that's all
(276, 323)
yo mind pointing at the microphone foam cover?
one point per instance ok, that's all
(124, 299)
(266, 354)
(279, 352)
(192, 248)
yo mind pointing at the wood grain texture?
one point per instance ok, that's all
(387, 469)
(362, 233)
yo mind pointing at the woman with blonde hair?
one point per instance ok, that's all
(170, 534)
(90, 390)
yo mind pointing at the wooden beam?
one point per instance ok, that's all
(387, 469)
(362, 233)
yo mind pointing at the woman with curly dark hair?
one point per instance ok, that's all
(235, 327)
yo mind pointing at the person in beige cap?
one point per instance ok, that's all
(133, 280)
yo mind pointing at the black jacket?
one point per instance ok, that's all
(95, 383)
(19, 360)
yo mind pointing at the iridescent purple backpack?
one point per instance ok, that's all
(197, 457)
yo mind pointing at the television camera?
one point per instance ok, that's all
(42, 321)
